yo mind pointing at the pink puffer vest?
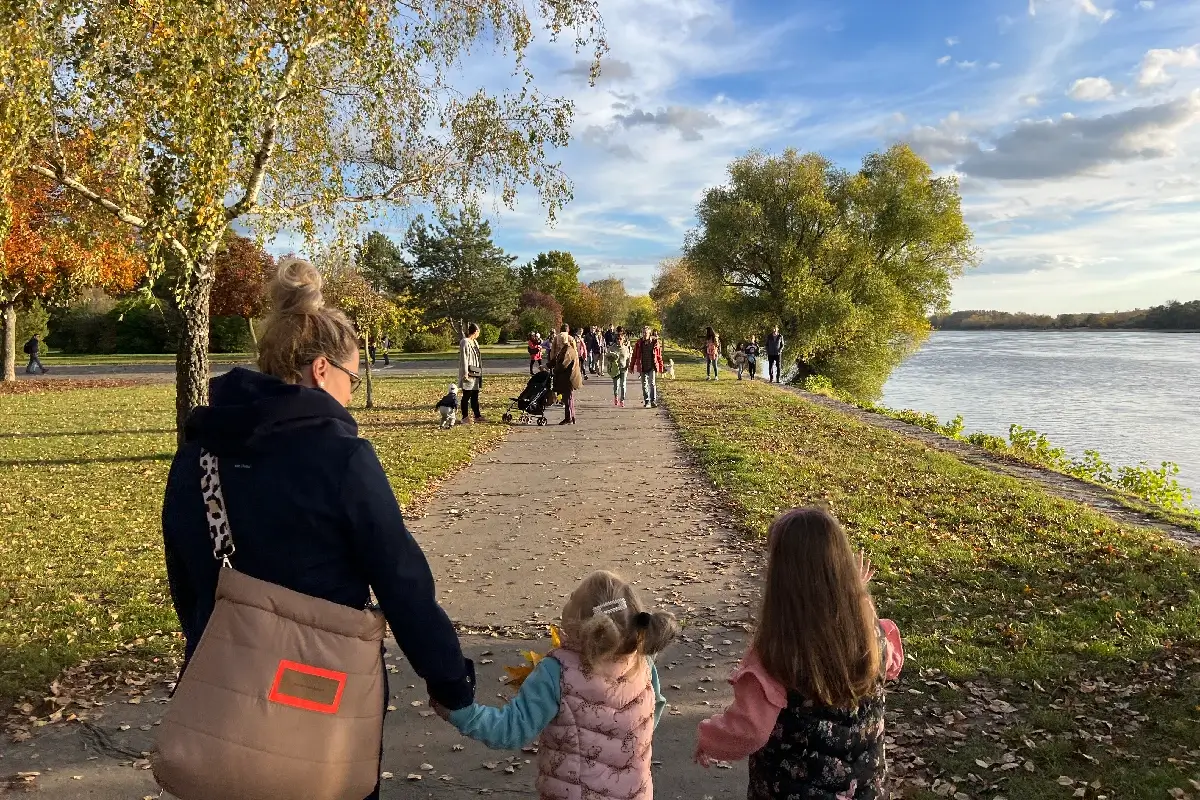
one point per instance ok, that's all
(599, 744)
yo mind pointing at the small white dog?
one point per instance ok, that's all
(448, 408)
(671, 369)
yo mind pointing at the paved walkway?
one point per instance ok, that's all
(508, 539)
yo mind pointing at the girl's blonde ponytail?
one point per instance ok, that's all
(605, 619)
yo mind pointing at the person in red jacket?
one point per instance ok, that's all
(648, 360)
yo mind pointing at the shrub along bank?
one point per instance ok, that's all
(1050, 647)
(84, 471)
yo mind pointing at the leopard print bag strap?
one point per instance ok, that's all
(214, 508)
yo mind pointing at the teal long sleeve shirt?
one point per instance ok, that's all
(527, 715)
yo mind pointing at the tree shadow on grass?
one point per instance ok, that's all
(63, 434)
(83, 461)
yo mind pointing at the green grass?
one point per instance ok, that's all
(83, 474)
(488, 352)
(1077, 621)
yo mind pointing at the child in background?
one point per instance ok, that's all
(739, 359)
(592, 704)
(616, 364)
(808, 696)
(447, 407)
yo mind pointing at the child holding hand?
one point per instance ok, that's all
(592, 704)
(808, 696)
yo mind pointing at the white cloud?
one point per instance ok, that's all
(951, 41)
(1145, 5)
(943, 61)
(1091, 90)
(1089, 7)
(1039, 150)
(966, 64)
(1153, 71)
(1031, 100)
(994, 65)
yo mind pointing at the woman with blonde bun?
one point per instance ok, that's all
(307, 501)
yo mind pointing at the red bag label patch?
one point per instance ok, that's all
(309, 688)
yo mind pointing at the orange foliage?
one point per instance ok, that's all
(54, 248)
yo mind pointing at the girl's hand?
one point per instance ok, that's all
(702, 758)
(865, 568)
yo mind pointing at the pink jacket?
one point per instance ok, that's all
(600, 742)
(745, 726)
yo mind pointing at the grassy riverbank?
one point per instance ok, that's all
(83, 474)
(1051, 648)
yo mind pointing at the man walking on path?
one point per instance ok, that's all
(774, 355)
(32, 349)
(647, 359)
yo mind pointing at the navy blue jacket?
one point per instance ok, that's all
(310, 509)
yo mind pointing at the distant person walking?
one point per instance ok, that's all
(712, 351)
(739, 359)
(33, 349)
(593, 342)
(752, 356)
(534, 346)
(566, 367)
(470, 374)
(775, 344)
(647, 359)
(385, 345)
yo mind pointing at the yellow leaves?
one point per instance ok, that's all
(518, 674)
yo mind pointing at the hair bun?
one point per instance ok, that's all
(642, 620)
(296, 288)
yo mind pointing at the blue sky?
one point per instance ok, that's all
(1074, 126)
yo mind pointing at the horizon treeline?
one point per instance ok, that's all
(1173, 316)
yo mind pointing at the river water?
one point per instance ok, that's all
(1132, 396)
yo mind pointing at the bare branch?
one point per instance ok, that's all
(63, 179)
(266, 148)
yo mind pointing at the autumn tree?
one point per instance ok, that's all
(849, 264)
(614, 300)
(584, 308)
(641, 313)
(372, 312)
(46, 256)
(554, 273)
(283, 115)
(242, 272)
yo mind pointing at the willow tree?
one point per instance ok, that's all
(849, 264)
(291, 114)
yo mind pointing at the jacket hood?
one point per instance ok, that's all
(247, 409)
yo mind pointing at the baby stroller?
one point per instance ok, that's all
(533, 400)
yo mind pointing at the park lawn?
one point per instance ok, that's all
(487, 352)
(1065, 640)
(82, 476)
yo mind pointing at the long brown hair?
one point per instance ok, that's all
(817, 630)
(601, 637)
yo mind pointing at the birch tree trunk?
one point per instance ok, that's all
(10, 341)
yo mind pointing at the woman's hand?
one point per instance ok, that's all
(702, 758)
(865, 568)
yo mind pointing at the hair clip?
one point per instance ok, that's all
(611, 607)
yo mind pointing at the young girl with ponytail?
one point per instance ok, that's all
(592, 704)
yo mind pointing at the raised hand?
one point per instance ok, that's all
(865, 568)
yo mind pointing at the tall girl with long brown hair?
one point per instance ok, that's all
(808, 696)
